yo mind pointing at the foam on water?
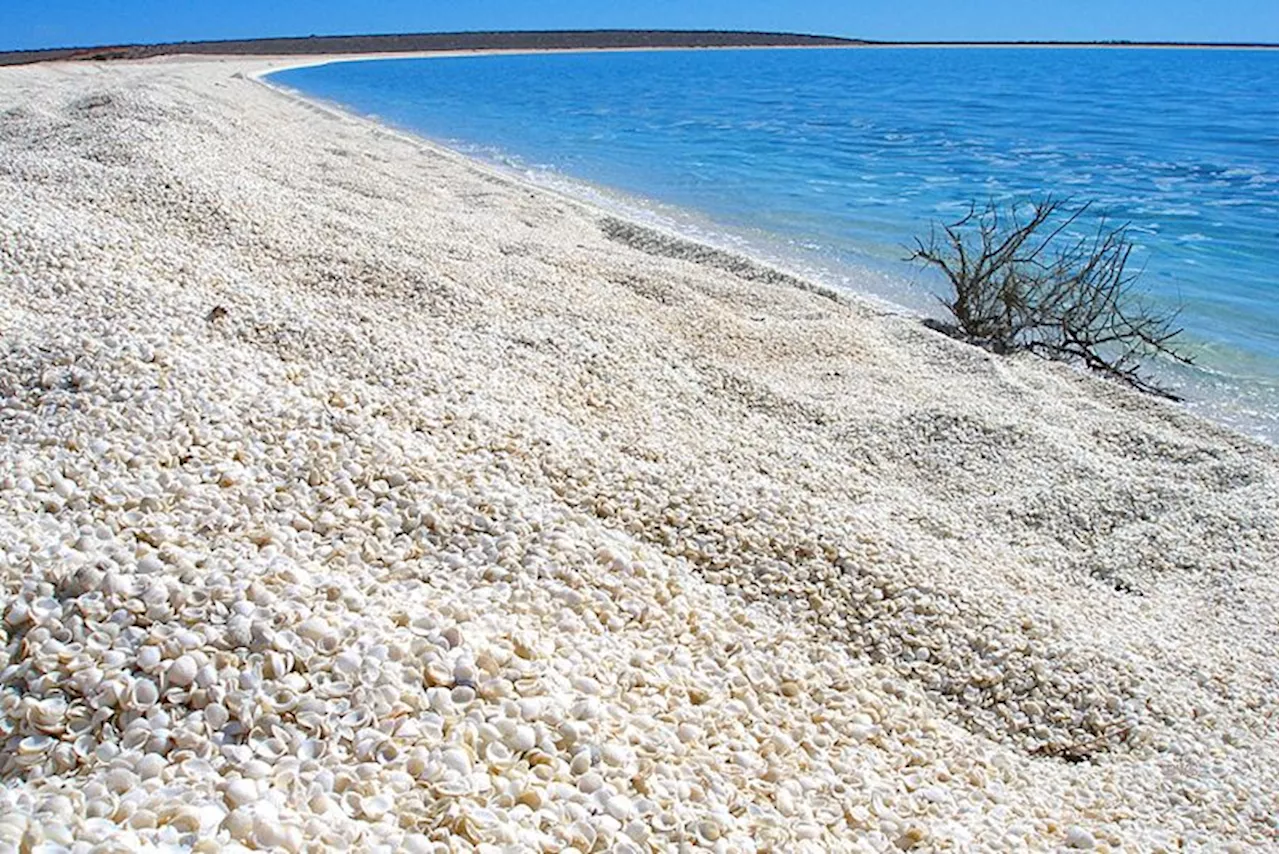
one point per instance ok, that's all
(829, 162)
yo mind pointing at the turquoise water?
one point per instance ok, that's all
(830, 161)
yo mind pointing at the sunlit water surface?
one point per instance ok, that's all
(830, 162)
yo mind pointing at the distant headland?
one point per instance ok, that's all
(525, 41)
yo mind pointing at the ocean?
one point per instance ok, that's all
(830, 162)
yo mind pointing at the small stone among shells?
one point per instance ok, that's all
(463, 525)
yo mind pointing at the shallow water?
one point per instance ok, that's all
(831, 161)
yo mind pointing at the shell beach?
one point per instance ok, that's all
(355, 496)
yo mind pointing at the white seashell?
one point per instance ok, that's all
(310, 749)
(240, 792)
(216, 715)
(619, 806)
(45, 609)
(256, 769)
(637, 831)
(455, 786)
(101, 807)
(143, 694)
(87, 680)
(281, 702)
(49, 716)
(708, 832)
(522, 738)
(456, 760)
(590, 782)
(347, 663)
(118, 585)
(58, 836)
(150, 658)
(120, 780)
(35, 745)
(320, 803)
(357, 718)
(465, 671)
(84, 746)
(416, 843)
(276, 664)
(64, 757)
(498, 755)
(374, 808)
(583, 835)
(585, 709)
(114, 659)
(239, 824)
(585, 684)
(18, 614)
(182, 672)
(150, 765)
(181, 817)
(314, 628)
(614, 755)
(136, 736)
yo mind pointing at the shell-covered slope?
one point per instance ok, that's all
(353, 495)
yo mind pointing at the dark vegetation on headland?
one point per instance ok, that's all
(529, 40)
(548, 40)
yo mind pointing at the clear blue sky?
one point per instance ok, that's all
(27, 24)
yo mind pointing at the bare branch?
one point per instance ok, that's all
(1024, 285)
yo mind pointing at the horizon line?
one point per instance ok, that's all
(758, 38)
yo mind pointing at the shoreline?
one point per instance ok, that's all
(865, 283)
(430, 506)
(607, 200)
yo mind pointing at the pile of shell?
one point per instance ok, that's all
(344, 504)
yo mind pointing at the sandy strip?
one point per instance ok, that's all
(355, 495)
